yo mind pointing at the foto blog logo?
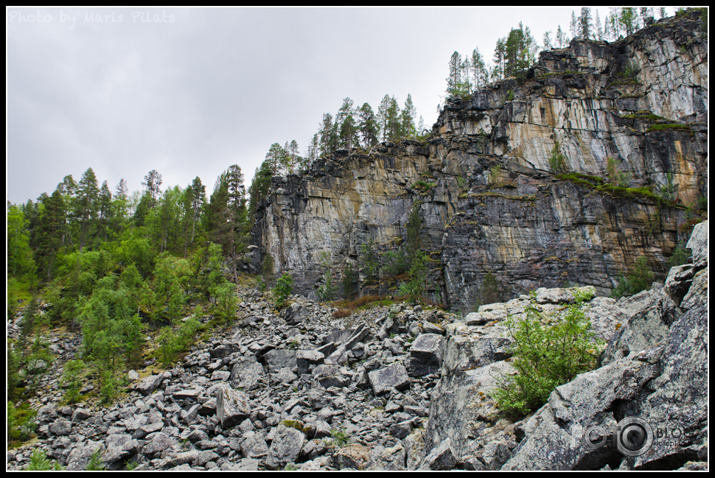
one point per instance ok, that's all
(633, 436)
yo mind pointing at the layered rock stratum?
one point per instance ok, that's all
(490, 199)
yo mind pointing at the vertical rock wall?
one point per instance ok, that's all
(490, 198)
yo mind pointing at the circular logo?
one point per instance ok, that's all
(633, 436)
(595, 437)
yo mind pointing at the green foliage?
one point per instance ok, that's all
(340, 437)
(326, 291)
(638, 278)
(488, 291)
(108, 386)
(282, 290)
(668, 191)
(557, 160)
(369, 260)
(679, 256)
(40, 462)
(225, 303)
(396, 262)
(548, 352)
(350, 282)
(95, 462)
(614, 176)
(21, 423)
(175, 341)
(71, 380)
(414, 289)
(20, 260)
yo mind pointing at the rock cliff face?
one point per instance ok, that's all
(629, 120)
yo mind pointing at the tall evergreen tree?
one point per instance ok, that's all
(85, 206)
(383, 115)
(561, 40)
(152, 183)
(478, 69)
(367, 126)
(105, 217)
(47, 236)
(499, 60)
(585, 24)
(407, 119)
(346, 125)
(519, 50)
(258, 190)
(328, 138)
(457, 81)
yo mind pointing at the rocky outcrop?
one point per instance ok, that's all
(490, 199)
(653, 370)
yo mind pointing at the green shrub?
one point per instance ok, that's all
(548, 352)
(40, 462)
(415, 287)
(282, 290)
(557, 160)
(638, 278)
(72, 380)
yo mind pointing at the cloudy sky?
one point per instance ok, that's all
(190, 91)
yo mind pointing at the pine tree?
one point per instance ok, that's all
(457, 81)
(276, 159)
(47, 236)
(120, 206)
(258, 190)
(85, 206)
(499, 60)
(561, 40)
(367, 126)
(105, 217)
(328, 138)
(152, 183)
(585, 23)
(478, 69)
(407, 119)
(197, 194)
(393, 124)
(382, 115)
(597, 29)
(519, 50)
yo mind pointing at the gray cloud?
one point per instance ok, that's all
(189, 92)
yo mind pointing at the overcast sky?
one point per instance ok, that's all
(190, 91)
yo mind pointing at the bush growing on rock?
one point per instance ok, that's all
(548, 352)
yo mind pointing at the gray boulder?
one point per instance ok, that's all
(426, 354)
(232, 407)
(118, 447)
(285, 447)
(392, 377)
(247, 374)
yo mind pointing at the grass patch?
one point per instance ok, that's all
(669, 126)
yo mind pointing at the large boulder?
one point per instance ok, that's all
(285, 447)
(391, 377)
(232, 407)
